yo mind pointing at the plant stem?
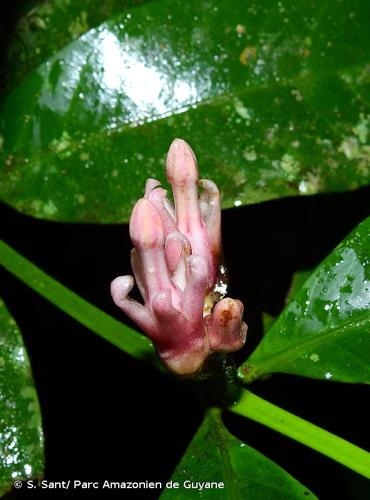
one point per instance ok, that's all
(263, 412)
(132, 342)
(88, 315)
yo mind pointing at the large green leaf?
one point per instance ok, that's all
(324, 332)
(47, 27)
(272, 97)
(214, 455)
(21, 438)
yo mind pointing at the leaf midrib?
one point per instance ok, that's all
(232, 491)
(216, 100)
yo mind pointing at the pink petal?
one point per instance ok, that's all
(150, 185)
(195, 290)
(137, 268)
(177, 249)
(146, 229)
(182, 173)
(187, 363)
(171, 324)
(182, 349)
(156, 275)
(120, 288)
(181, 164)
(157, 196)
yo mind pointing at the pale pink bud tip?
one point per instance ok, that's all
(146, 229)
(120, 288)
(229, 312)
(181, 165)
(227, 332)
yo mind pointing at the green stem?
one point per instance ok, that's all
(131, 342)
(263, 412)
(88, 315)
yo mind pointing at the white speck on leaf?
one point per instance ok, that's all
(250, 154)
(315, 357)
(49, 208)
(290, 166)
(242, 110)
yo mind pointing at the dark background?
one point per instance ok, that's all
(106, 416)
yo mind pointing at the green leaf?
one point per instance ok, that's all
(324, 332)
(273, 99)
(136, 345)
(116, 332)
(48, 26)
(21, 437)
(214, 455)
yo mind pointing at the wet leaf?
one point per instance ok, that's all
(324, 332)
(298, 280)
(214, 455)
(48, 26)
(272, 98)
(21, 438)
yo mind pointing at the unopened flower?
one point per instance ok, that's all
(176, 261)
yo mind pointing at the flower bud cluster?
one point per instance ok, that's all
(176, 264)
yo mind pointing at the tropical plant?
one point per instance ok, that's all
(273, 98)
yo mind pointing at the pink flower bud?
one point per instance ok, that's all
(146, 229)
(177, 268)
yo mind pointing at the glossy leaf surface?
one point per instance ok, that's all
(272, 98)
(21, 437)
(47, 27)
(249, 405)
(324, 332)
(215, 455)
